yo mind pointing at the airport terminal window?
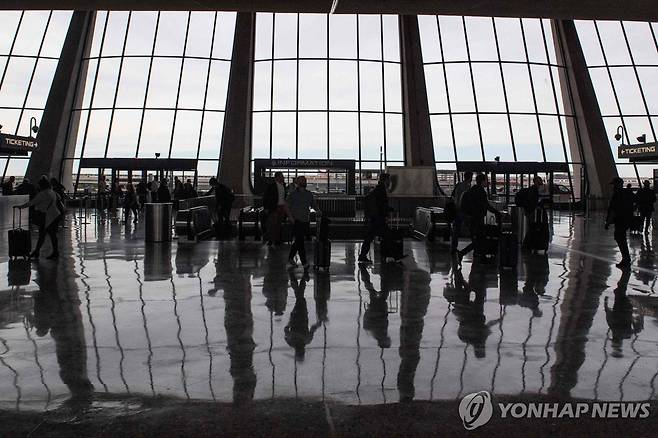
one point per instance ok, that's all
(156, 83)
(328, 87)
(30, 46)
(622, 58)
(494, 91)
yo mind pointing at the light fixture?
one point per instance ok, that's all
(0, 127)
(620, 130)
(33, 126)
(642, 138)
(157, 155)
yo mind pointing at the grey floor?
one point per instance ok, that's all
(226, 321)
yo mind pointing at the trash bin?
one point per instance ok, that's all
(518, 222)
(158, 222)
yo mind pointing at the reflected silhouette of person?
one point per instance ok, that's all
(297, 333)
(275, 284)
(322, 294)
(646, 261)
(57, 310)
(415, 299)
(375, 317)
(537, 275)
(620, 317)
(469, 309)
(239, 325)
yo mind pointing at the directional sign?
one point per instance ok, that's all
(638, 152)
(17, 145)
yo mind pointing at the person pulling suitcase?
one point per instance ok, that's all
(300, 201)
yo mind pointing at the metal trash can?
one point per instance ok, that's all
(518, 222)
(158, 222)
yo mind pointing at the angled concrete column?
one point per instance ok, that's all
(58, 129)
(418, 146)
(587, 135)
(235, 150)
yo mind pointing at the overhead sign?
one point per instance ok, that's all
(308, 164)
(17, 145)
(642, 151)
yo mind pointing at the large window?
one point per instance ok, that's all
(328, 87)
(494, 91)
(30, 46)
(156, 83)
(622, 58)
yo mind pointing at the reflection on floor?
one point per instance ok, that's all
(227, 321)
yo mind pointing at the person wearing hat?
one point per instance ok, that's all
(620, 213)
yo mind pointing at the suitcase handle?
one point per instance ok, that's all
(13, 217)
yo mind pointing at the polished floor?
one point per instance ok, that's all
(228, 322)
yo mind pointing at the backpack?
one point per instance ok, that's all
(370, 205)
(521, 197)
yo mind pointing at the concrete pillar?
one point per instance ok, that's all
(58, 128)
(235, 153)
(587, 135)
(418, 145)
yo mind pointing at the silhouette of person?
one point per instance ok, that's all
(646, 261)
(57, 310)
(297, 333)
(275, 284)
(415, 299)
(623, 324)
(473, 326)
(375, 317)
(322, 293)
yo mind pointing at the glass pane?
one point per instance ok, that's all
(371, 86)
(519, 93)
(552, 136)
(429, 38)
(481, 41)
(200, 33)
(342, 36)
(106, 83)
(164, 83)
(263, 36)
(223, 45)
(541, 78)
(171, 36)
(260, 138)
(99, 124)
(142, 33)
(466, 137)
(453, 40)
(370, 45)
(211, 136)
(262, 84)
(342, 85)
(285, 83)
(526, 138)
(132, 86)
(312, 85)
(30, 33)
(344, 140)
(43, 77)
(372, 136)
(604, 93)
(613, 41)
(534, 40)
(18, 75)
(628, 91)
(116, 33)
(193, 84)
(218, 85)
(392, 87)
(59, 24)
(436, 89)
(589, 43)
(394, 138)
(283, 135)
(8, 30)
(642, 44)
(156, 133)
(186, 134)
(312, 135)
(460, 87)
(510, 39)
(285, 36)
(391, 38)
(496, 137)
(489, 87)
(313, 36)
(649, 79)
(125, 131)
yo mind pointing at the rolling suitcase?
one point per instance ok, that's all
(487, 242)
(538, 231)
(508, 257)
(19, 272)
(322, 250)
(20, 240)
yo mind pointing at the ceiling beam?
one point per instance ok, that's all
(639, 10)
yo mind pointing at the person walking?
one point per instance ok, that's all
(47, 216)
(130, 204)
(475, 204)
(646, 198)
(8, 186)
(154, 186)
(457, 195)
(142, 193)
(620, 213)
(300, 202)
(274, 202)
(529, 199)
(224, 199)
(188, 190)
(164, 195)
(376, 210)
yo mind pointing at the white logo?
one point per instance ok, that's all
(476, 410)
